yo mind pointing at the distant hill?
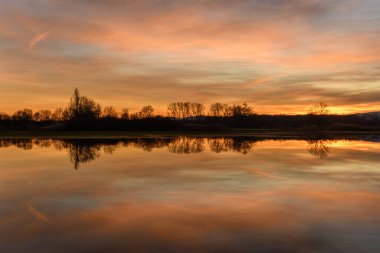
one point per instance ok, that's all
(369, 115)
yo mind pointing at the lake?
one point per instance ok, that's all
(188, 194)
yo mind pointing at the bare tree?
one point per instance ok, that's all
(181, 110)
(81, 107)
(186, 109)
(26, 115)
(4, 116)
(124, 113)
(109, 112)
(239, 110)
(173, 110)
(178, 109)
(197, 109)
(57, 114)
(218, 109)
(42, 115)
(146, 112)
(319, 109)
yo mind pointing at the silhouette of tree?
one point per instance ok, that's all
(173, 110)
(23, 115)
(218, 109)
(197, 109)
(239, 110)
(146, 112)
(181, 110)
(186, 109)
(42, 115)
(4, 116)
(134, 116)
(319, 109)
(83, 108)
(83, 112)
(109, 112)
(124, 113)
(57, 115)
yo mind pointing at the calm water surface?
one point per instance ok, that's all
(189, 195)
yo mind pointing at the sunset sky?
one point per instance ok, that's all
(280, 56)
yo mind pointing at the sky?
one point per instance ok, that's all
(280, 56)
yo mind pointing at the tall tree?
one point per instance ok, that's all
(83, 108)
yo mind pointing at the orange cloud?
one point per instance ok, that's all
(148, 52)
(38, 38)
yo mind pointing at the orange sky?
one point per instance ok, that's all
(280, 56)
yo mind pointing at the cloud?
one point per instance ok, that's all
(38, 38)
(158, 51)
(37, 214)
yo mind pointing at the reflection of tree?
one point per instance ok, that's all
(25, 144)
(82, 154)
(109, 149)
(241, 145)
(319, 148)
(186, 145)
(86, 150)
(148, 144)
(43, 143)
(218, 145)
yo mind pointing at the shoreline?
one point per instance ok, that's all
(253, 133)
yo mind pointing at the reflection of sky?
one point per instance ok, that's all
(280, 55)
(276, 198)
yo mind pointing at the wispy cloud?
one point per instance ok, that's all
(38, 38)
(268, 53)
(37, 214)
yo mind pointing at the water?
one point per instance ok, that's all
(190, 195)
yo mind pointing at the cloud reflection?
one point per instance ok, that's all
(278, 198)
(86, 150)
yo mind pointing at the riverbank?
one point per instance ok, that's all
(254, 133)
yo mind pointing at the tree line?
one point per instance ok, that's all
(84, 113)
(85, 108)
